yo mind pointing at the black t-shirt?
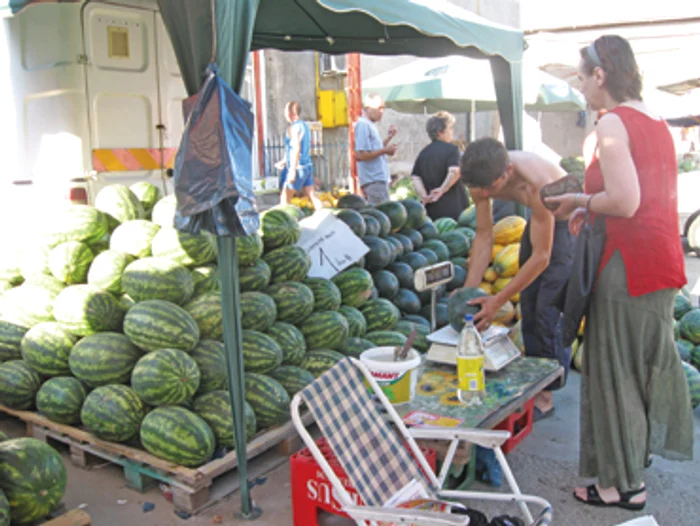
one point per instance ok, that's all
(432, 166)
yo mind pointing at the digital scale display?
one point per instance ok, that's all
(433, 276)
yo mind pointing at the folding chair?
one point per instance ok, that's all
(374, 455)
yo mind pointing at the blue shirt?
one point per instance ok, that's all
(301, 128)
(367, 139)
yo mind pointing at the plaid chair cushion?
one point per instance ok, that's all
(367, 448)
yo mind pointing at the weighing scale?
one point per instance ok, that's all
(430, 278)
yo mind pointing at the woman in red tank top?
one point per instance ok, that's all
(634, 396)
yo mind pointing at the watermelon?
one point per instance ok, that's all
(279, 229)
(29, 304)
(457, 281)
(215, 409)
(4, 510)
(269, 400)
(205, 279)
(415, 260)
(85, 309)
(381, 218)
(33, 259)
(458, 306)
(157, 278)
(148, 195)
(158, 324)
(60, 399)
(82, 223)
(290, 340)
(372, 226)
(429, 255)
(354, 220)
(468, 217)
(439, 247)
(210, 357)
(134, 238)
(396, 246)
(165, 377)
(415, 213)
(380, 314)
(357, 325)
(325, 330)
(112, 412)
(418, 320)
(685, 350)
(380, 253)
(460, 262)
(292, 210)
(407, 302)
(45, 281)
(428, 230)
(319, 361)
(256, 277)
(396, 212)
(353, 201)
(693, 377)
(184, 249)
(106, 271)
(387, 284)
(326, 294)
(261, 353)
(11, 340)
(421, 342)
(19, 384)
(441, 314)
(177, 435)
(119, 203)
(258, 311)
(695, 356)
(403, 272)
(103, 358)
(405, 241)
(354, 347)
(293, 378)
(445, 224)
(294, 301)
(206, 312)
(690, 326)
(457, 243)
(46, 347)
(681, 306)
(164, 211)
(33, 478)
(289, 263)
(469, 233)
(69, 262)
(386, 338)
(249, 249)
(425, 295)
(355, 285)
(414, 236)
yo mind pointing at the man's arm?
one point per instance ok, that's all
(453, 175)
(420, 189)
(362, 145)
(483, 241)
(295, 143)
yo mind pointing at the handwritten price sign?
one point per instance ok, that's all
(330, 243)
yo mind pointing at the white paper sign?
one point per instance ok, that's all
(330, 243)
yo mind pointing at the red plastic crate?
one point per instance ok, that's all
(312, 491)
(519, 425)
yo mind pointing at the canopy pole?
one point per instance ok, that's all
(354, 88)
(231, 310)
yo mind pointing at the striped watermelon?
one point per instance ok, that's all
(396, 212)
(357, 325)
(249, 249)
(112, 412)
(134, 238)
(206, 279)
(288, 263)
(293, 378)
(45, 281)
(440, 249)
(354, 347)
(4, 510)
(119, 203)
(319, 361)
(29, 304)
(325, 330)
(294, 301)
(445, 224)
(33, 478)
(11, 340)
(381, 218)
(104, 358)
(279, 229)
(269, 400)
(693, 377)
(60, 399)
(183, 248)
(84, 310)
(255, 277)
(148, 195)
(206, 312)
(261, 354)
(215, 409)
(164, 211)
(165, 377)
(33, 259)
(690, 326)
(46, 347)
(415, 213)
(126, 302)
(158, 324)
(258, 311)
(156, 278)
(386, 338)
(18, 384)
(178, 435)
(106, 271)
(457, 243)
(290, 340)
(210, 357)
(355, 285)
(75, 223)
(421, 342)
(70, 261)
(381, 314)
(326, 294)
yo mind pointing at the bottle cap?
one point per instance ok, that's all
(469, 317)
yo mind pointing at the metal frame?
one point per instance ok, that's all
(485, 438)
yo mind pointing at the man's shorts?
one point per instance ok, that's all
(376, 192)
(305, 177)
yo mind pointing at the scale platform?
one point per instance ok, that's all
(499, 350)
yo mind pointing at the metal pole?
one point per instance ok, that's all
(231, 309)
(433, 309)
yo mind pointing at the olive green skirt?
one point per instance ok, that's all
(634, 395)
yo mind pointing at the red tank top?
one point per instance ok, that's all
(649, 241)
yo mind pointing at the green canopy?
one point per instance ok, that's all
(12, 7)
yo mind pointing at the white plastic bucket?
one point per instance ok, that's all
(398, 380)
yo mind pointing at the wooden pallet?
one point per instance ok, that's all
(190, 486)
(74, 517)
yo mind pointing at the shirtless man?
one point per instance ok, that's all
(546, 251)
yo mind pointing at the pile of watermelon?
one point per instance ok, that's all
(687, 334)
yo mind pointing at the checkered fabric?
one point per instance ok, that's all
(368, 449)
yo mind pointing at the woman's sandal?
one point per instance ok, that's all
(593, 498)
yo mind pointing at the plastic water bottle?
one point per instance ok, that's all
(470, 364)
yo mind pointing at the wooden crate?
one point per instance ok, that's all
(190, 486)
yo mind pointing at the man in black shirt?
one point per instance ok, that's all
(436, 171)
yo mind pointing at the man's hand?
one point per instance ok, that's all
(567, 204)
(426, 200)
(576, 221)
(392, 132)
(281, 164)
(391, 149)
(292, 176)
(489, 308)
(436, 194)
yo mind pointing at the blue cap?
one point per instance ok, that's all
(468, 317)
